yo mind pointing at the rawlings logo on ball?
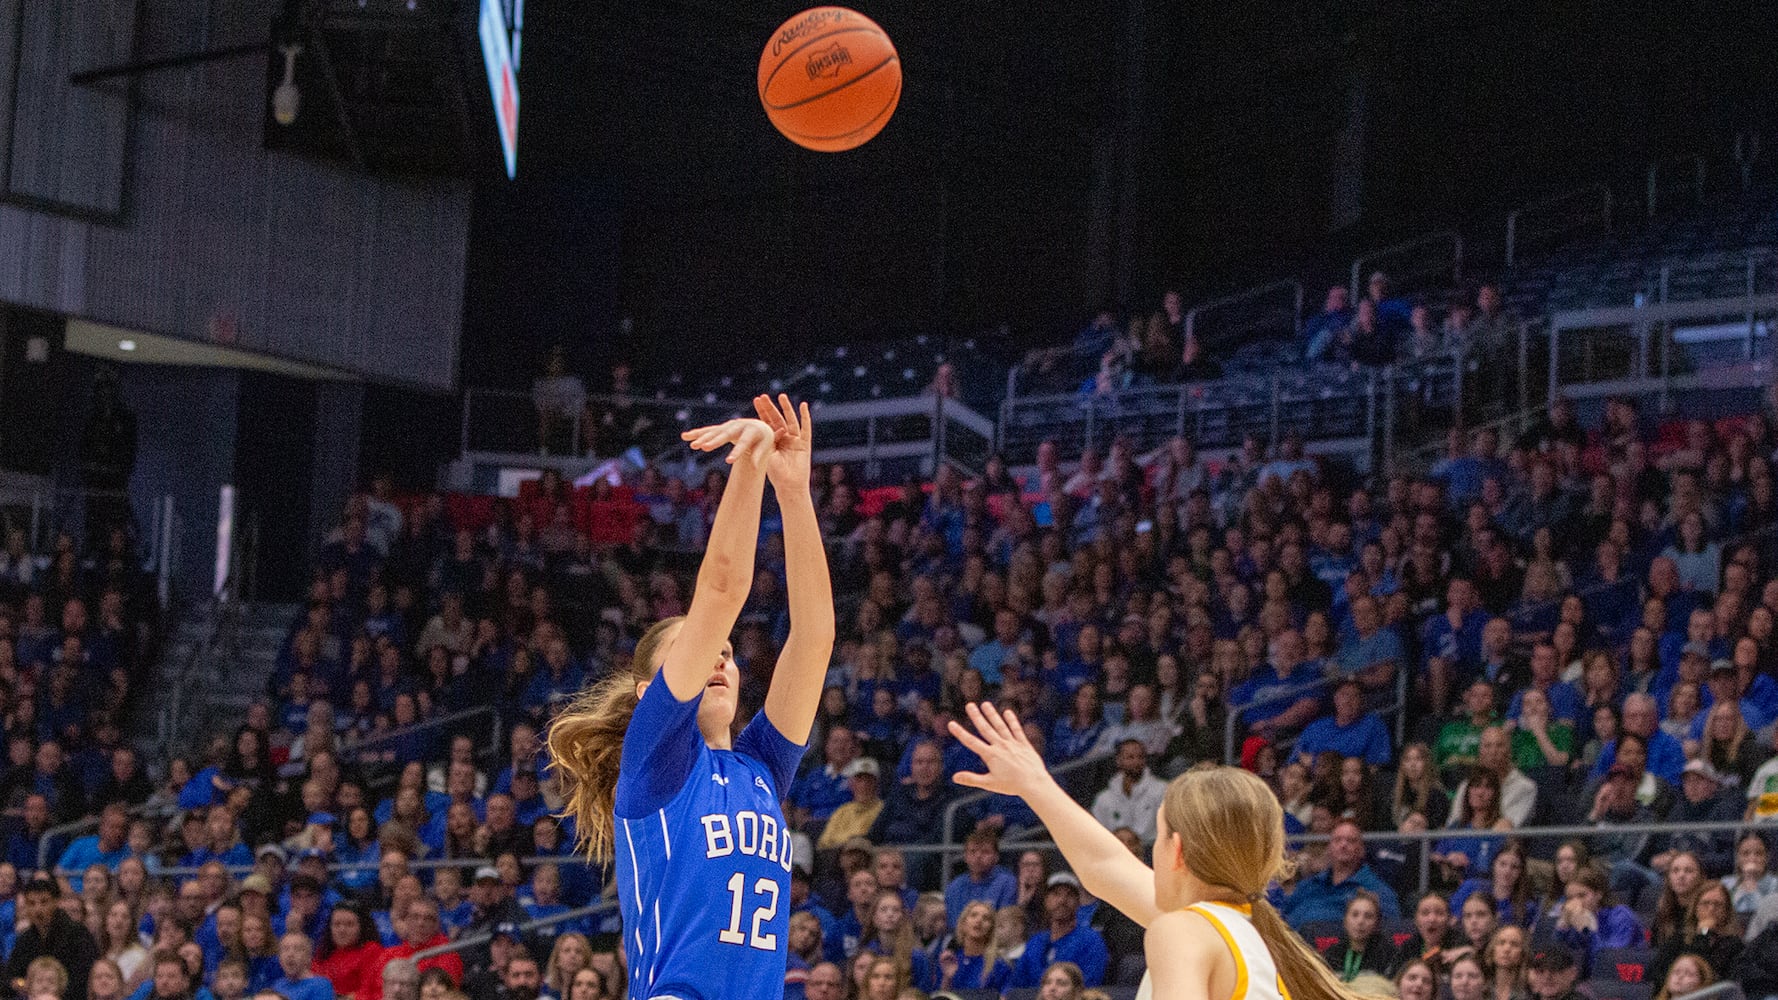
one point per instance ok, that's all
(828, 61)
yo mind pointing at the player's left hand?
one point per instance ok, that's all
(752, 439)
(790, 464)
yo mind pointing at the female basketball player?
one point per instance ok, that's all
(1219, 841)
(656, 780)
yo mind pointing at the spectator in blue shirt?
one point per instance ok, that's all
(988, 657)
(985, 880)
(821, 790)
(1566, 703)
(1078, 731)
(1323, 899)
(1373, 653)
(296, 956)
(1666, 756)
(1066, 939)
(221, 842)
(1283, 695)
(1349, 732)
(107, 847)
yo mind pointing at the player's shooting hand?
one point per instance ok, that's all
(751, 438)
(792, 441)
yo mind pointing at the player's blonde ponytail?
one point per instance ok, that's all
(586, 744)
(1231, 832)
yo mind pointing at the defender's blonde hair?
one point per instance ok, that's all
(1231, 835)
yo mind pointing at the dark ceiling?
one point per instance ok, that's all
(1047, 157)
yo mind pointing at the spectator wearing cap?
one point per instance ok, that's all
(855, 817)
(420, 930)
(108, 847)
(1323, 898)
(1350, 731)
(311, 863)
(273, 862)
(1698, 639)
(46, 930)
(304, 912)
(1552, 973)
(1664, 756)
(1728, 685)
(984, 880)
(492, 905)
(296, 957)
(1132, 796)
(819, 791)
(1066, 939)
(1705, 796)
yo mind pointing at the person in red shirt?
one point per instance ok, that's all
(419, 929)
(350, 955)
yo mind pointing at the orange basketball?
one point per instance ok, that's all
(829, 79)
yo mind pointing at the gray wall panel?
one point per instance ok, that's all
(68, 142)
(310, 260)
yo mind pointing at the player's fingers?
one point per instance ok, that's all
(968, 739)
(992, 715)
(1018, 731)
(789, 412)
(808, 427)
(970, 779)
(980, 721)
(762, 405)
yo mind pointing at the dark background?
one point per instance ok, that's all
(1048, 157)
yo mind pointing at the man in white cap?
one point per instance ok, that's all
(854, 818)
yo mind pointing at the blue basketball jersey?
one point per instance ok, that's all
(702, 855)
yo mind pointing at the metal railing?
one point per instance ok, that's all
(1683, 173)
(1266, 321)
(358, 747)
(502, 421)
(199, 668)
(1604, 351)
(1563, 207)
(949, 848)
(918, 432)
(1444, 269)
(476, 940)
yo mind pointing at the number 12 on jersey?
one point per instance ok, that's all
(761, 914)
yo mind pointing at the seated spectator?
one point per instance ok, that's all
(296, 957)
(1349, 731)
(984, 880)
(1435, 940)
(1363, 945)
(1587, 923)
(1065, 939)
(1507, 887)
(855, 817)
(1664, 757)
(1320, 330)
(818, 791)
(350, 953)
(1283, 695)
(1323, 898)
(1711, 931)
(1134, 794)
(1551, 973)
(1477, 809)
(45, 930)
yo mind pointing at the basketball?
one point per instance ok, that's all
(829, 79)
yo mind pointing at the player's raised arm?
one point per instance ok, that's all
(796, 686)
(1104, 865)
(726, 574)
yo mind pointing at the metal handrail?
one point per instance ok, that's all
(1236, 711)
(476, 940)
(1249, 294)
(358, 746)
(1451, 236)
(638, 399)
(949, 826)
(1512, 218)
(1723, 988)
(88, 822)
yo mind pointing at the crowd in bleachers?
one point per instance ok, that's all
(1576, 627)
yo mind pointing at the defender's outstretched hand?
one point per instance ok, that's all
(1014, 768)
(752, 439)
